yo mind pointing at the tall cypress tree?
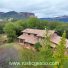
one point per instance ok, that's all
(59, 54)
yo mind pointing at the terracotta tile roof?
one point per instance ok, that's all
(56, 39)
(38, 32)
(29, 39)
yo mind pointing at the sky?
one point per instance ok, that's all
(41, 8)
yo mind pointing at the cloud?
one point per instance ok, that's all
(42, 8)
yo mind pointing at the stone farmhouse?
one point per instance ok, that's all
(30, 37)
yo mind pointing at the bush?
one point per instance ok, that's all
(37, 46)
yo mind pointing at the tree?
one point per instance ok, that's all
(37, 46)
(1, 27)
(32, 22)
(59, 54)
(9, 29)
(18, 27)
(46, 52)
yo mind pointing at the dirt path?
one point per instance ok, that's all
(8, 54)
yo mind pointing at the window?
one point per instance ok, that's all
(31, 44)
(21, 40)
(34, 34)
(28, 33)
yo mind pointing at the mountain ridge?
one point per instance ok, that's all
(16, 15)
(59, 18)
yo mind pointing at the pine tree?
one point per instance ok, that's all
(59, 54)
